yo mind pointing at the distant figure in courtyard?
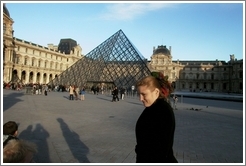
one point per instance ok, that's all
(46, 89)
(71, 92)
(175, 101)
(82, 93)
(122, 93)
(115, 93)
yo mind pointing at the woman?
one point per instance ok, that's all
(155, 126)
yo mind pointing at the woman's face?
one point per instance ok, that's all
(148, 96)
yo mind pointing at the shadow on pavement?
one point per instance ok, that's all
(11, 99)
(39, 136)
(77, 147)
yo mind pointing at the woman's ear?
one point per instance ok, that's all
(16, 133)
(157, 91)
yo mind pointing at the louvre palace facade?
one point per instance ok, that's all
(209, 76)
(27, 62)
(115, 61)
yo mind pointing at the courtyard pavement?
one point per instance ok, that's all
(100, 131)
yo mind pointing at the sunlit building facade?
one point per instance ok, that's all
(116, 62)
(26, 62)
(196, 76)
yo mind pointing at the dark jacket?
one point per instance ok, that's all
(155, 134)
(7, 138)
(115, 92)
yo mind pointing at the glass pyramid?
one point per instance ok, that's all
(115, 62)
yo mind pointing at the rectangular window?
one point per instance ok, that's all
(17, 59)
(224, 86)
(25, 62)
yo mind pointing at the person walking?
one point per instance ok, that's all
(156, 125)
(71, 92)
(122, 93)
(82, 93)
(45, 89)
(175, 101)
(115, 94)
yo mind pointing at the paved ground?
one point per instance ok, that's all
(100, 131)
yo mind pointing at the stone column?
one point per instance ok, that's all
(19, 73)
(34, 78)
(27, 76)
(41, 77)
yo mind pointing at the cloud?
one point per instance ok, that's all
(130, 11)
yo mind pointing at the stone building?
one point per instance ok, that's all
(209, 76)
(26, 62)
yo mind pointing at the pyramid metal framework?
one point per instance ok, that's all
(114, 62)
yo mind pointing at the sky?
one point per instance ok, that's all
(195, 30)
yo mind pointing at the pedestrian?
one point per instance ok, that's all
(82, 93)
(71, 92)
(10, 131)
(115, 93)
(122, 93)
(175, 101)
(45, 89)
(97, 90)
(156, 125)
